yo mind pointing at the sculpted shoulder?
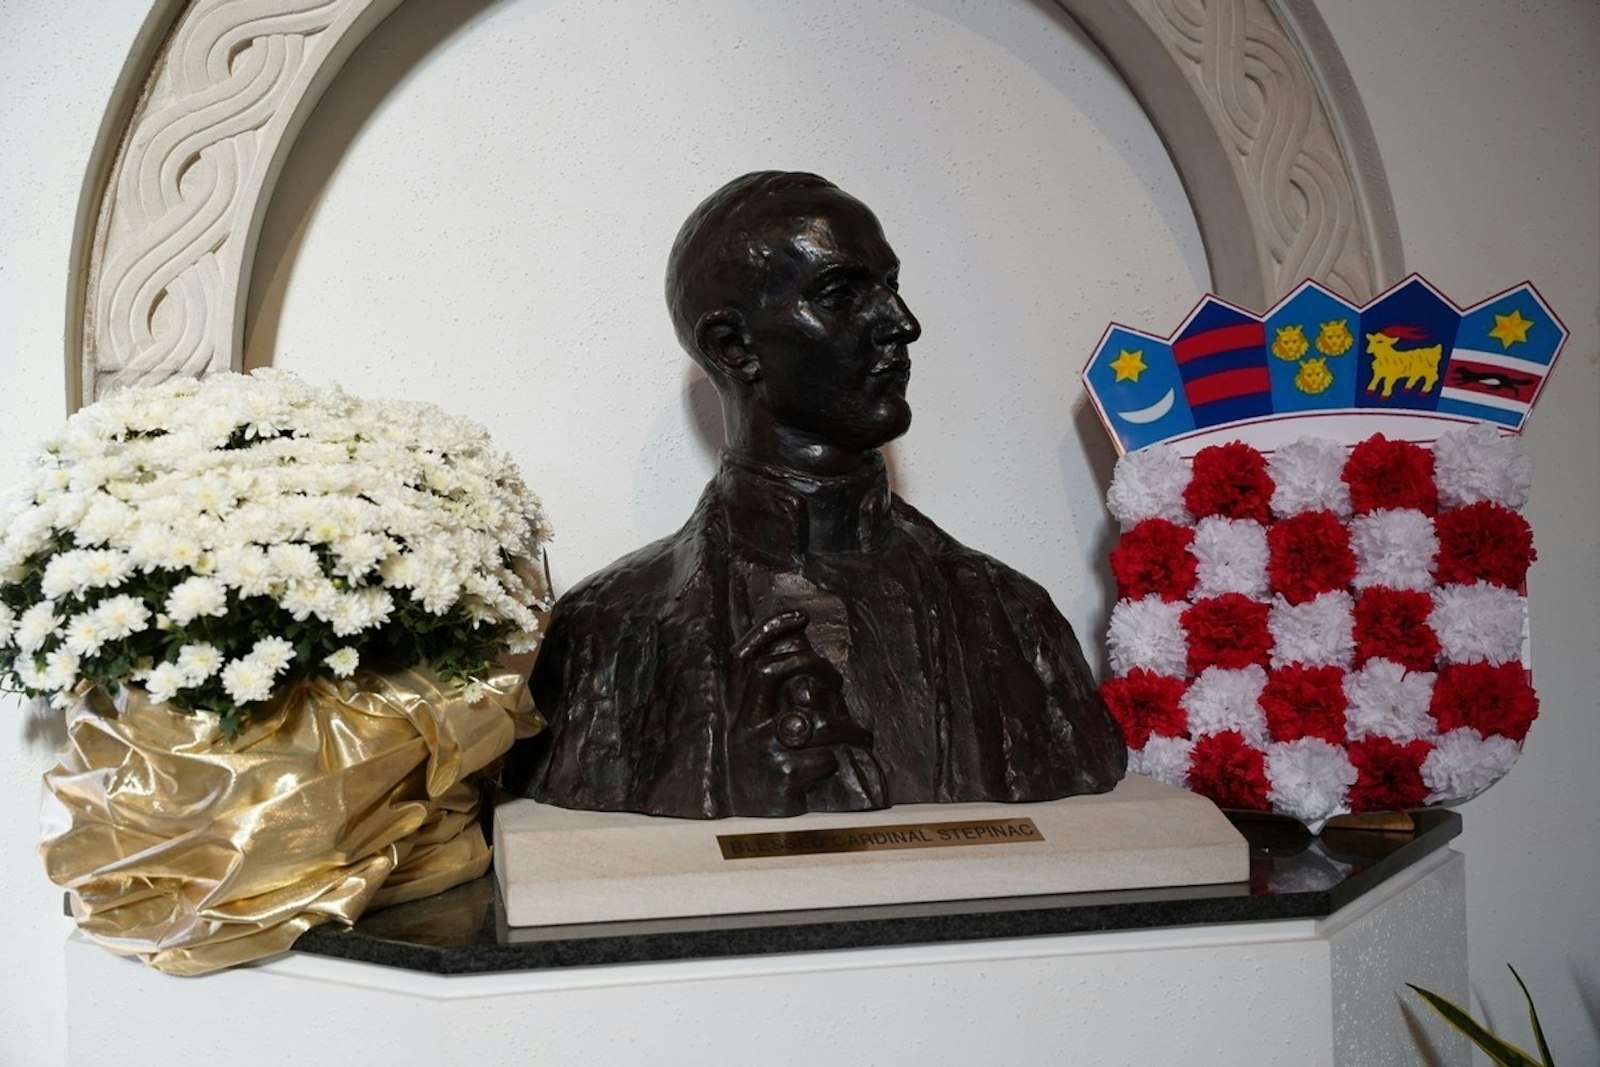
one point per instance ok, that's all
(948, 552)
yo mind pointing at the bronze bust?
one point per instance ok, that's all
(807, 641)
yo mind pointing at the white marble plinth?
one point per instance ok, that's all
(1309, 992)
(557, 866)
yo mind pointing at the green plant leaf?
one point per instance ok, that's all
(1501, 1052)
(1533, 1017)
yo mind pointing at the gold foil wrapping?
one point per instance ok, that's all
(195, 853)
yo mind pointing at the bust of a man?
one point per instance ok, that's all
(807, 641)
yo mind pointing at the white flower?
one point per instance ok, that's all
(1307, 475)
(1310, 780)
(60, 670)
(1148, 633)
(1394, 548)
(1224, 699)
(473, 692)
(8, 623)
(247, 680)
(245, 568)
(302, 599)
(274, 652)
(164, 681)
(1479, 463)
(1478, 621)
(198, 661)
(106, 519)
(344, 662)
(1464, 763)
(122, 616)
(194, 597)
(1166, 759)
(37, 625)
(1386, 700)
(212, 490)
(294, 561)
(1231, 557)
(1148, 483)
(84, 634)
(1317, 633)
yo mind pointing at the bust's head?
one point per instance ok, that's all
(783, 288)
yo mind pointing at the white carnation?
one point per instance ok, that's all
(247, 680)
(1149, 483)
(1166, 759)
(1231, 557)
(1307, 475)
(1310, 779)
(1394, 548)
(1477, 462)
(8, 624)
(1148, 633)
(1464, 763)
(1383, 699)
(195, 597)
(1317, 633)
(1478, 622)
(1224, 699)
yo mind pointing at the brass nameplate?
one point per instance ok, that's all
(879, 838)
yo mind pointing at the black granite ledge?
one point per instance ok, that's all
(1292, 876)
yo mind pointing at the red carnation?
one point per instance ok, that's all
(1484, 542)
(1491, 700)
(1144, 703)
(1390, 474)
(1227, 631)
(1229, 771)
(1388, 774)
(1309, 554)
(1393, 624)
(1229, 480)
(1154, 557)
(1303, 701)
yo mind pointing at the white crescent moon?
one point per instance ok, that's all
(1141, 416)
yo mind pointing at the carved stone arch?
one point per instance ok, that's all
(1264, 127)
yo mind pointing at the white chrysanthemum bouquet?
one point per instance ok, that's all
(205, 539)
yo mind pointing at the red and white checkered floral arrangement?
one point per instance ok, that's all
(1323, 630)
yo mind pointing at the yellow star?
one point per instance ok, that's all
(1510, 329)
(1128, 365)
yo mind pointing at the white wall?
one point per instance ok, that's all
(1488, 118)
(433, 234)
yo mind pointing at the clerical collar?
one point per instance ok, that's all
(785, 514)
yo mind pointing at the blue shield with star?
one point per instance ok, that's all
(1405, 343)
(1134, 383)
(1503, 353)
(1313, 356)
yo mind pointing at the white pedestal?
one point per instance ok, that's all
(1314, 993)
(557, 866)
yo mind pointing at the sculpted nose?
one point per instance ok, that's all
(898, 325)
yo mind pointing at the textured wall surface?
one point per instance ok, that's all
(473, 142)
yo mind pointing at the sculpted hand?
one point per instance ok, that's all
(791, 709)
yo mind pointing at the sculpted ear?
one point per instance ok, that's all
(722, 340)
